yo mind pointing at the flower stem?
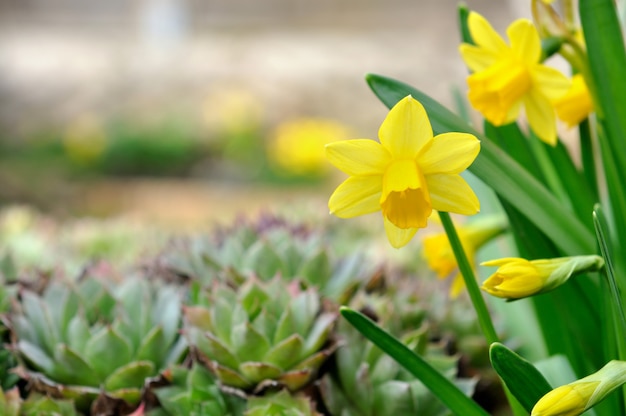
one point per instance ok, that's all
(467, 272)
(476, 296)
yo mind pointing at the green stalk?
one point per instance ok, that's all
(484, 318)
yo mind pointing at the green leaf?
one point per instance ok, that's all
(106, 351)
(318, 334)
(39, 318)
(522, 378)
(286, 353)
(263, 261)
(71, 368)
(167, 313)
(257, 372)
(37, 357)
(153, 347)
(607, 60)
(248, 343)
(78, 333)
(447, 392)
(498, 170)
(304, 309)
(606, 248)
(132, 375)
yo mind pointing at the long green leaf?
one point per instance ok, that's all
(497, 169)
(607, 60)
(441, 387)
(521, 377)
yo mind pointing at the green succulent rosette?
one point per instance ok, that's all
(96, 343)
(260, 335)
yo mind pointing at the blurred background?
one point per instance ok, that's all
(180, 112)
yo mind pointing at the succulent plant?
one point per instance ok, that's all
(280, 404)
(194, 392)
(97, 344)
(261, 335)
(11, 404)
(267, 249)
(366, 382)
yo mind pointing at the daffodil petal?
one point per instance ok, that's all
(458, 284)
(406, 129)
(450, 193)
(501, 261)
(477, 58)
(484, 35)
(358, 157)
(398, 237)
(541, 117)
(449, 153)
(525, 42)
(357, 195)
(551, 82)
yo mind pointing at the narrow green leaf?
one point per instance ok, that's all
(522, 378)
(497, 169)
(607, 60)
(441, 387)
(603, 235)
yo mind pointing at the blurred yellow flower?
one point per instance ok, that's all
(232, 110)
(85, 139)
(407, 175)
(439, 254)
(506, 77)
(519, 278)
(576, 104)
(297, 146)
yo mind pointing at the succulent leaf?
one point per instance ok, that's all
(281, 403)
(107, 349)
(286, 353)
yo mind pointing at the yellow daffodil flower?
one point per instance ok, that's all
(576, 104)
(439, 254)
(506, 77)
(407, 175)
(518, 278)
(575, 398)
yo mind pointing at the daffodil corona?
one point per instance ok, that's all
(506, 77)
(405, 176)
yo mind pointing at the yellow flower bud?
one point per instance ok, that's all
(519, 278)
(568, 400)
(575, 398)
